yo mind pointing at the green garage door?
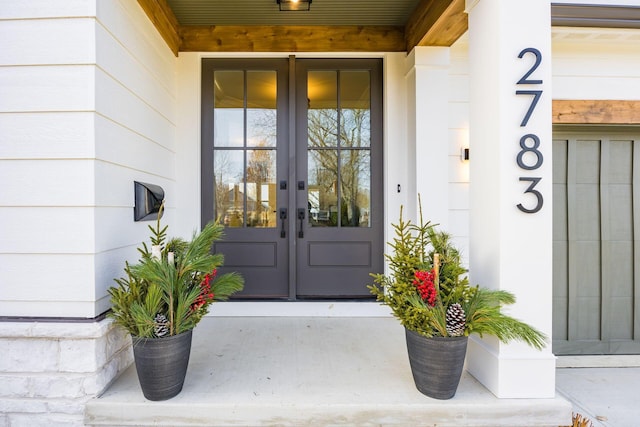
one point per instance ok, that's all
(596, 277)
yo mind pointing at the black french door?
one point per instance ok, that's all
(292, 166)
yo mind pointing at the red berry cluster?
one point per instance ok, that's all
(205, 296)
(424, 282)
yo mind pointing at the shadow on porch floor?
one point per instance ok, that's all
(310, 371)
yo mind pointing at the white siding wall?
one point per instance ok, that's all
(596, 64)
(46, 167)
(86, 107)
(458, 140)
(134, 132)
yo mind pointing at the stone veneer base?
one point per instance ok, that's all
(49, 370)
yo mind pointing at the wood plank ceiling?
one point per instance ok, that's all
(330, 25)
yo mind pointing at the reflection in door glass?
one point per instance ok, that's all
(228, 104)
(323, 188)
(245, 125)
(355, 109)
(261, 188)
(339, 127)
(355, 178)
(229, 188)
(322, 114)
(261, 109)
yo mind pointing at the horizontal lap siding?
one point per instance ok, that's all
(135, 131)
(596, 69)
(46, 160)
(458, 140)
(87, 104)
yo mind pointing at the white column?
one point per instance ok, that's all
(511, 249)
(428, 89)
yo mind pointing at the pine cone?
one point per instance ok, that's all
(455, 320)
(161, 327)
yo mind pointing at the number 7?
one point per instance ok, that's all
(536, 97)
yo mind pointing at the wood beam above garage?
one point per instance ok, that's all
(596, 112)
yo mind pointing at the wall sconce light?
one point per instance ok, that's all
(464, 154)
(148, 199)
(294, 5)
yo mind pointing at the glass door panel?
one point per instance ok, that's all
(261, 109)
(245, 117)
(322, 115)
(339, 127)
(228, 108)
(355, 180)
(261, 188)
(323, 188)
(355, 108)
(228, 187)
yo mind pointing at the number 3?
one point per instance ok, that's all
(531, 189)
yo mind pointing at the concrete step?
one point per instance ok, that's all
(310, 371)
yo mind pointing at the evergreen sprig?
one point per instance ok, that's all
(175, 290)
(415, 248)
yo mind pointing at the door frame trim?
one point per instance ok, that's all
(291, 161)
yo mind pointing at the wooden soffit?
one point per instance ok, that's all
(432, 23)
(436, 23)
(162, 17)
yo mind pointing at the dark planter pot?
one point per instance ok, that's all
(161, 364)
(436, 363)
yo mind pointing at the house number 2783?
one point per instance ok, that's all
(529, 157)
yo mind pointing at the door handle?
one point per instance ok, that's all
(301, 215)
(283, 216)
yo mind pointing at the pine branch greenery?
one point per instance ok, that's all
(423, 260)
(158, 294)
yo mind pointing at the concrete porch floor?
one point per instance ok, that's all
(310, 371)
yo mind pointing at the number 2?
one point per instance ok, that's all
(524, 80)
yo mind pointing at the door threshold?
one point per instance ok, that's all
(299, 309)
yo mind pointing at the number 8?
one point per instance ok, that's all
(533, 149)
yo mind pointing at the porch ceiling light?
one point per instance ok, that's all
(294, 5)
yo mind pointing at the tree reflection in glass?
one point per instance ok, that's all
(339, 140)
(245, 124)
